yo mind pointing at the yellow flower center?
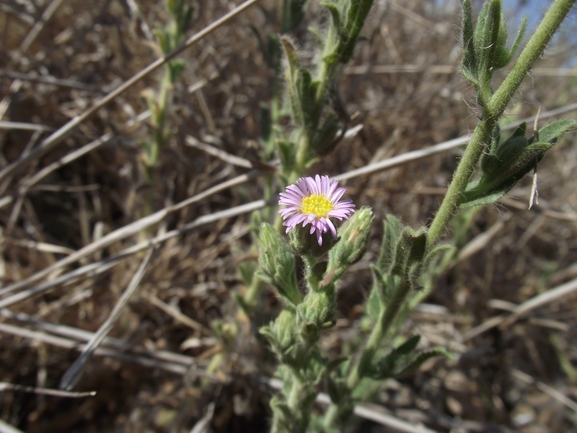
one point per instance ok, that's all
(317, 204)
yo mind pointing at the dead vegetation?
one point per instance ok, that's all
(74, 232)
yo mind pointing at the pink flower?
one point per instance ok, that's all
(314, 201)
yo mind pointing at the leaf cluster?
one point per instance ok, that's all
(508, 160)
(485, 46)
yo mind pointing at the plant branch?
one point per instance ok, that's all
(492, 112)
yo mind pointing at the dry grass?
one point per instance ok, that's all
(152, 372)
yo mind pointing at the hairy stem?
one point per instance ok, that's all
(492, 112)
(542, 36)
(375, 341)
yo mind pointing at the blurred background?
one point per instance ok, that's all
(157, 371)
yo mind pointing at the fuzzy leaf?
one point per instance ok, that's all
(488, 191)
(326, 134)
(420, 359)
(357, 13)
(485, 41)
(352, 245)
(392, 228)
(469, 63)
(291, 74)
(265, 123)
(518, 38)
(552, 132)
(278, 264)
(374, 303)
(408, 346)
(306, 96)
(502, 54)
(176, 68)
(435, 252)
(410, 251)
(333, 8)
(387, 366)
(287, 155)
(319, 37)
(293, 14)
(247, 268)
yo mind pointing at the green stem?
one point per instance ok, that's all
(375, 341)
(538, 42)
(462, 175)
(331, 416)
(301, 157)
(494, 110)
(326, 74)
(293, 398)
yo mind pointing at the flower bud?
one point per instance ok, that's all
(352, 244)
(278, 264)
(304, 244)
(316, 312)
(282, 332)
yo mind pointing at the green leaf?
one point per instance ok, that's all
(352, 244)
(387, 366)
(265, 123)
(518, 38)
(355, 18)
(293, 14)
(247, 268)
(282, 334)
(374, 303)
(410, 251)
(421, 358)
(241, 302)
(335, 11)
(516, 163)
(408, 346)
(271, 50)
(435, 252)
(176, 68)
(392, 228)
(306, 96)
(336, 389)
(485, 41)
(278, 264)
(292, 71)
(502, 54)
(162, 40)
(469, 64)
(319, 37)
(552, 132)
(326, 134)
(502, 152)
(287, 154)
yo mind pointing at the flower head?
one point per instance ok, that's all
(314, 201)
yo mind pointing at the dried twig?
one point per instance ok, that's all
(4, 386)
(49, 79)
(180, 364)
(538, 301)
(144, 223)
(176, 315)
(55, 138)
(104, 265)
(219, 153)
(559, 396)
(74, 372)
(5, 124)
